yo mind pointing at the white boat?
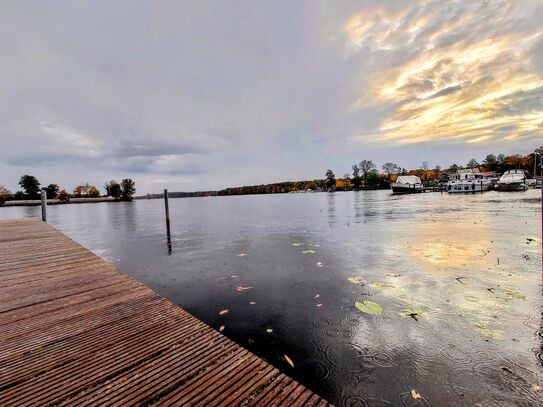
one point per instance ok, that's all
(468, 180)
(513, 180)
(407, 184)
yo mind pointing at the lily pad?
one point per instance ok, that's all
(309, 251)
(356, 280)
(369, 307)
(483, 329)
(512, 295)
(379, 285)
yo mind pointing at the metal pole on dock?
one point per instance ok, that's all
(44, 204)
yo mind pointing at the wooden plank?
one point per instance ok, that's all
(76, 331)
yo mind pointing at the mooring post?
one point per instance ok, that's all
(44, 204)
(167, 209)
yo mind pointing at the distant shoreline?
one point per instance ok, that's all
(37, 202)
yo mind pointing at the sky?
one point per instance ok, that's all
(203, 95)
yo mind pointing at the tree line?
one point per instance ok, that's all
(31, 190)
(365, 175)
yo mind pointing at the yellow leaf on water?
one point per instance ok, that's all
(242, 288)
(289, 360)
(223, 311)
(415, 395)
(242, 255)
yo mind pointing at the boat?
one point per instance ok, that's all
(468, 180)
(513, 180)
(407, 184)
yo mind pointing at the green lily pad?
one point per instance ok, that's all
(356, 280)
(379, 285)
(512, 295)
(496, 334)
(369, 307)
(309, 251)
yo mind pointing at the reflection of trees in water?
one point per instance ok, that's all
(331, 205)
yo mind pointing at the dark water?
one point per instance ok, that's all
(458, 279)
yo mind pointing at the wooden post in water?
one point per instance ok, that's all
(44, 204)
(167, 209)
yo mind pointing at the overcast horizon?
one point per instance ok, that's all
(204, 95)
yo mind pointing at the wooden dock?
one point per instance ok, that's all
(76, 331)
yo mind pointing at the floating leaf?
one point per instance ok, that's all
(223, 311)
(369, 307)
(483, 329)
(317, 296)
(379, 285)
(289, 360)
(320, 264)
(242, 255)
(309, 251)
(241, 288)
(297, 244)
(221, 328)
(319, 305)
(415, 395)
(356, 280)
(512, 295)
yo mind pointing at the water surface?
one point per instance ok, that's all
(458, 279)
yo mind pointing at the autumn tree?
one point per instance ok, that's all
(490, 162)
(30, 186)
(93, 192)
(366, 166)
(128, 188)
(330, 179)
(356, 176)
(389, 169)
(52, 191)
(63, 196)
(113, 189)
(5, 194)
(472, 163)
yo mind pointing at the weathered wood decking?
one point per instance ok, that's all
(76, 331)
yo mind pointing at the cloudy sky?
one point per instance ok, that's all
(203, 95)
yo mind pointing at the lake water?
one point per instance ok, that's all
(458, 279)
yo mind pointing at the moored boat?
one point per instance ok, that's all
(468, 180)
(513, 180)
(407, 184)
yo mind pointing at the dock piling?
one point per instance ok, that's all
(44, 204)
